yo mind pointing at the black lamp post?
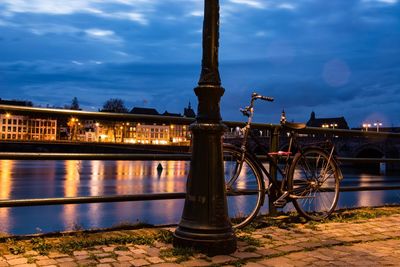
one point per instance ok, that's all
(205, 224)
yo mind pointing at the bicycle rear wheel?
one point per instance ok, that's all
(313, 182)
(244, 186)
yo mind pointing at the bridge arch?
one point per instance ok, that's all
(369, 151)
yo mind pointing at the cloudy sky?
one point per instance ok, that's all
(337, 58)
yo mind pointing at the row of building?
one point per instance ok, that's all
(46, 128)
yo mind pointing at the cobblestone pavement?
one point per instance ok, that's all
(364, 242)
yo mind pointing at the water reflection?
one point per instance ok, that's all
(21, 179)
(6, 171)
(71, 185)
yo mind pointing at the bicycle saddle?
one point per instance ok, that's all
(294, 125)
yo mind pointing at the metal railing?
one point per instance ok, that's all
(274, 143)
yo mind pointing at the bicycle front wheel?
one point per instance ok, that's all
(313, 182)
(244, 187)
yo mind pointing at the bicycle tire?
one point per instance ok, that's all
(246, 193)
(313, 183)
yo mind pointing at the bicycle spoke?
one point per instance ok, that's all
(314, 180)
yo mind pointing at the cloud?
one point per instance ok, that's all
(92, 7)
(103, 35)
(388, 2)
(250, 3)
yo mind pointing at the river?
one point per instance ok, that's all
(21, 179)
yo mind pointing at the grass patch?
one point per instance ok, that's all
(14, 247)
(251, 241)
(68, 246)
(250, 249)
(362, 214)
(181, 254)
(165, 236)
(40, 245)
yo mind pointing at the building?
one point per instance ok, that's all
(18, 127)
(334, 123)
(27, 127)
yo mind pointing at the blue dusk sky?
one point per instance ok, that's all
(337, 58)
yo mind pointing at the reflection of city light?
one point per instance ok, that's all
(6, 170)
(71, 185)
(72, 178)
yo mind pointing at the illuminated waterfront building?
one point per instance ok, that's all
(17, 127)
(24, 127)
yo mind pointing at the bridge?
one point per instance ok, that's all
(354, 145)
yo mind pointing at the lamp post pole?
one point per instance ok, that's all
(205, 224)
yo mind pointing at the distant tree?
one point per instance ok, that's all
(115, 105)
(75, 104)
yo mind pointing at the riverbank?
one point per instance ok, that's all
(368, 236)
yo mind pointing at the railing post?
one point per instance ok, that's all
(205, 223)
(273, 147)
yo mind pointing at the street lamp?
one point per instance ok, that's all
(205, 223)
(377, 124)
(366, 126)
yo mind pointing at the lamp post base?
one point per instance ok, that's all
(205, 241)
(205, 225)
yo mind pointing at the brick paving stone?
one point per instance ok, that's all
(121, 264)
(289, 248)
(25, 265)
(57, 255)
(139, 262)
(107, 260)
(103, 265)
(138, 251)
(86, 262)
(278, 262)
(153, 252)
(11, 256)
(65, 259)
(138, 256)
(167, 264)
(17, 261)
(155, 260)
(68, 264)
(41, 257)
(253, 264)
(195, 263)
(245, 255)
(267, 251)
(83, 257)
(3, 264)
(124, 258)
(81, 253)
(31, 253)
(222, 259)
(46, 262)
(123, 252)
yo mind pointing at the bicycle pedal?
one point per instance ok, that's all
(280, 203)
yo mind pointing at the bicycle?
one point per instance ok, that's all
(309, 178)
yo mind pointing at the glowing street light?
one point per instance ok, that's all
(377, 124)
(366, 126)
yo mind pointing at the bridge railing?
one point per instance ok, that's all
(275, 131)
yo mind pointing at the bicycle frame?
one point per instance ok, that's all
(273, 181)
